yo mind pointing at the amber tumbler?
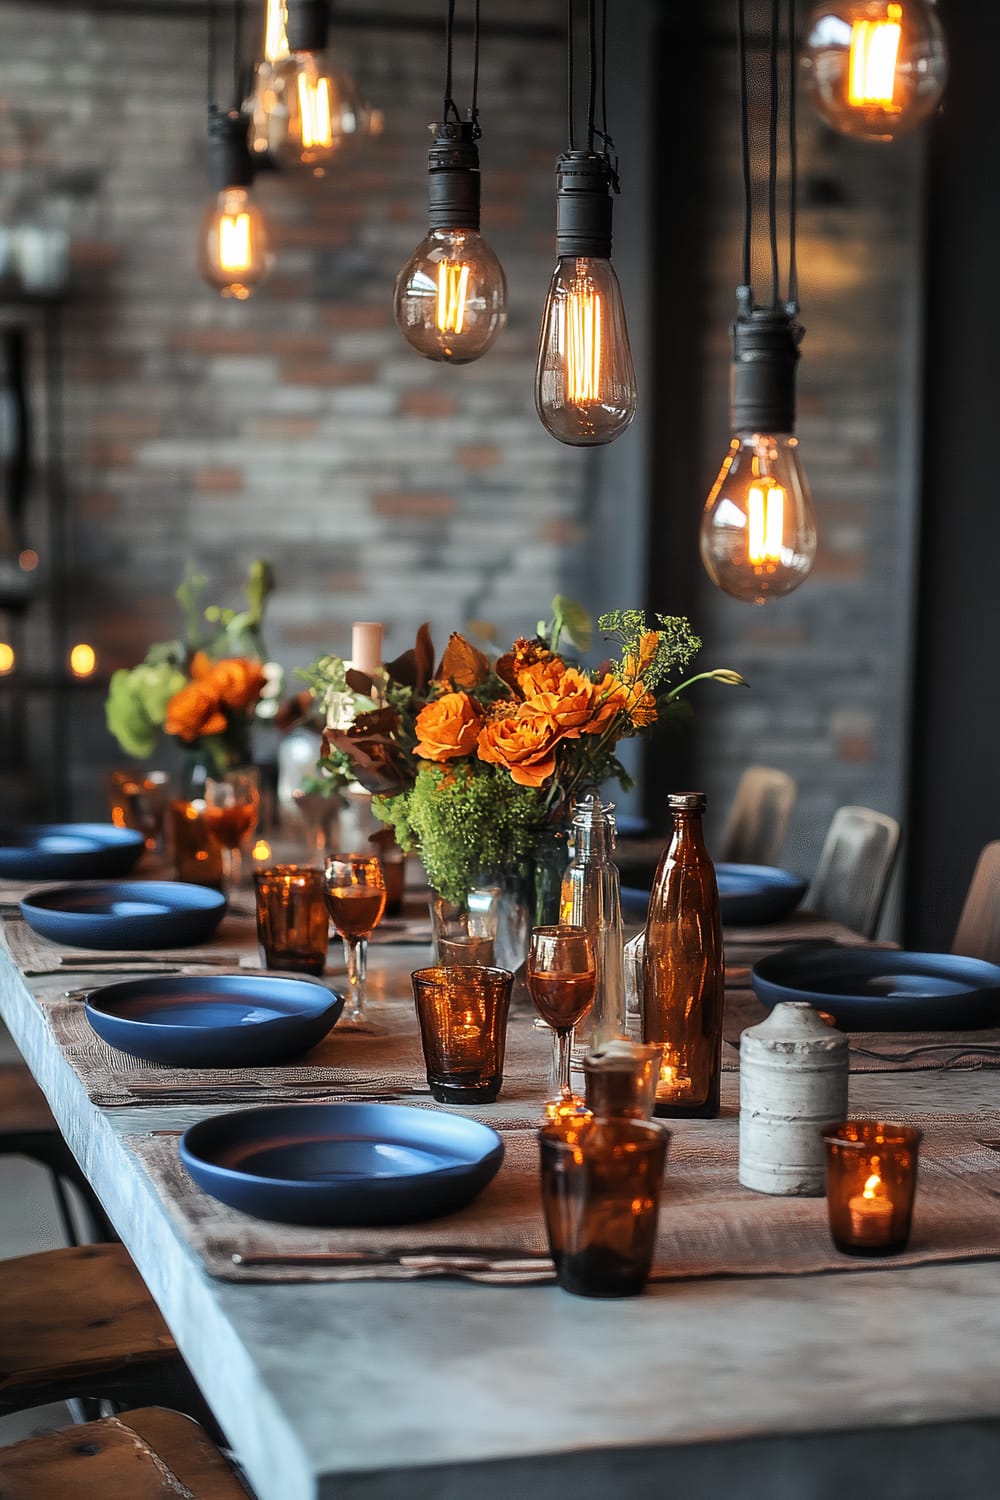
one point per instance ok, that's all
(871, 1179)
(293, 925)
(193, 851)
(462, 1013)
(601, 1195)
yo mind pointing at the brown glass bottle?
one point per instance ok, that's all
(683, 974)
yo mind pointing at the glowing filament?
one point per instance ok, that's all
(315, 111)
(765, 522)
(872, 65)
(234, 242)
(583, 339)
(275, 33)
(453, 290)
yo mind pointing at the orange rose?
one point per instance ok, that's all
(610, 698)
(523, 744)
(570, 705)
(447, 727)
(237, 680)
(201, 666)
(541, 677)
(194, 711)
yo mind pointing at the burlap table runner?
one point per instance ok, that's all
(344, 1061)
(232, 944)
(709, 1225)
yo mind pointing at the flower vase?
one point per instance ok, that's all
(530, 895)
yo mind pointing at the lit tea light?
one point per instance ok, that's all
(82, 660)
(7, 658)
(261, 851)
(871, 1211)
(673, 1082)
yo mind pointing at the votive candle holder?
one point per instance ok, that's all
(871, 1180)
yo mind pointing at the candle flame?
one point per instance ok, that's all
(871, 75)
(873, 1187)
(261, 850)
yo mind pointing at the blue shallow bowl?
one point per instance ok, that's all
(883, 990)
(340, 1164)
(749, 895)
(68, 851)
(216, 1021)
(125, 914)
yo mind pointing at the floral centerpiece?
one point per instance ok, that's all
(472, 759)
(204, 688)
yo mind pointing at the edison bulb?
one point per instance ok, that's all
(585, 387)
(758, 530)
(874, 68)
(235, 254)
(305, 110)
(451, 296)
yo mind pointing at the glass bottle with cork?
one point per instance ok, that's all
(683, 969)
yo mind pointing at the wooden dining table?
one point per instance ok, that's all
(750, 1385)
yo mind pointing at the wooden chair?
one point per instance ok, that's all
(978, 932)
(79, 1322)
(758, 819)
(854, 868)
(149, 1454)
(28, 1129)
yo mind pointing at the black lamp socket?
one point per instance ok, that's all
(584, 205)
(307, 25)
(229, 161)
(762, 378)
(453, 176)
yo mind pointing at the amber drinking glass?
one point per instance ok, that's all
(561, 975)
(871, 1179)
(232, 806)
(683, 978)
(601, 1196)
(138, 799)
(195, 855)
(355, 899)
(293, 924)
(462, 1013)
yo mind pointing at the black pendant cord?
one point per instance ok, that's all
(237, 49)
(598, 140)
(210, 58)
(745, 300)
(591, 72)
(793, 170)
(772, 147)
(212, 55)
(450, 110)
(744, 293)
(570, 134)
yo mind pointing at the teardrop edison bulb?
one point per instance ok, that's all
(874, 68)
(758, 530)
(235, 254)
(585, 386)
(451, 296)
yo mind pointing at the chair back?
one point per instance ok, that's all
(978, 932)
(854, 868)
(758, 818)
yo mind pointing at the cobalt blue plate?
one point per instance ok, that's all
(216, 1021)
(748, 894)
(755, 894)
(868, 989)
(68, 851)
(125, 913)
(340, 1164)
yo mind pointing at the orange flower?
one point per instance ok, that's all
(610, 698)
(641, 706)
(201, 666)
(541, 676)
(195, 711)
(523, 744)
(447, 727)
(237, 681)
(570, 706)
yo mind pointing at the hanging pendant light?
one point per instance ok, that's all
(585, 385)
(450, 299)
(874, 68)
(758, 528)
(306, 110)
(233, 252)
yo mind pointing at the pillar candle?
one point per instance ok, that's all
(366, 646)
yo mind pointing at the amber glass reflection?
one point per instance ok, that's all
(621, 1079)
(462, 1012)
(138, 799)
(601, 1196)
(871, 1179)
(194, 853)
(683, 985)
(293, 924)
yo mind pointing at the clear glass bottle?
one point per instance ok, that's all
(683, 972)
(591, 898)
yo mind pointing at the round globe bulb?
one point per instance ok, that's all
(451, 296)
(874, 68)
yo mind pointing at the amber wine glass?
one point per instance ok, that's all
(232, 806)
(562, 980)
(355, 899)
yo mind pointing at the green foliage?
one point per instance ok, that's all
(466, 821)
(677, 647)
(137, 704)
(568, 619)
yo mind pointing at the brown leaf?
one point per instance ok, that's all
(462, 665)
(413, 669)
(505, 669)
(359, 682)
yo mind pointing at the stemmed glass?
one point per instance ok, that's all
(355, 899)
(232, 804)
(562, 979)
